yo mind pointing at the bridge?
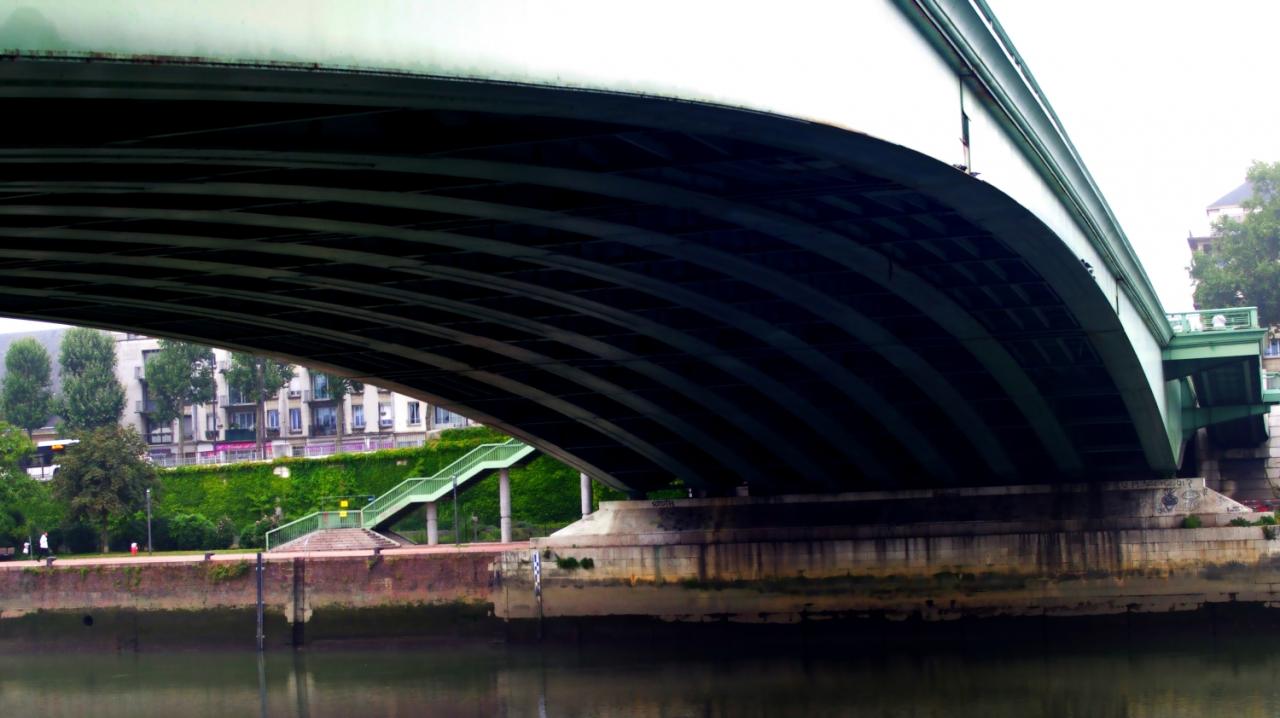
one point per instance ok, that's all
(811, 247)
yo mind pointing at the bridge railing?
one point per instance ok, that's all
(1214, 320)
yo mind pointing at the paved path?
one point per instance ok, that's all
(282, 556)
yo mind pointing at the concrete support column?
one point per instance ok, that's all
(585, 490)
(504, 503)
(433, 525)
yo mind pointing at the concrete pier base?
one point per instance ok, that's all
(1045, 550)
(433, 525)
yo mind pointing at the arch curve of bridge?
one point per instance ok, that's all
(650, 289)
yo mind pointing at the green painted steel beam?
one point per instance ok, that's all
(1194, 418)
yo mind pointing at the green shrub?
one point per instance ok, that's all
(1191, 522)
(1268, 520)
(568, 564)
(225, 533)
(189, 532)
(588, 563)
(1269, 533)
(1240, 522)
(254, 535)
(77, 538)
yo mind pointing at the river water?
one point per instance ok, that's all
(523, 681)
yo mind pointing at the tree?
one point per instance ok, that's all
(26, 397)
(104, 476)
(1243, 268)
(257, 378)
(339, 388)
(177, 375)
(92, 397)
(25, 504)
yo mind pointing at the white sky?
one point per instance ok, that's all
(1167, 102)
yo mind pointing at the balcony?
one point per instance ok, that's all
(236, 399)
(386, 422)
(273, 432)
(324, 429)
(241, 435)
(211, 435)
(312, 396)
(295, 393)
(357, 428)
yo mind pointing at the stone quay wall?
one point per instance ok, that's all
(306, 599)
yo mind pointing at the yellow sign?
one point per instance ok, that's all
(342, 504)
(342, 514)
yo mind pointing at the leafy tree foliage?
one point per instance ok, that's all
(104, 476)
(1243, 268)
(92, 397)
(178, 375)
(257, 378)
(26, 505)
(27, 397)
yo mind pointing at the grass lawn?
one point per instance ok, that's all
(121, 554)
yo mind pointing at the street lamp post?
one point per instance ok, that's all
(148, 521)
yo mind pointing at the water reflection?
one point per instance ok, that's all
(515, 682)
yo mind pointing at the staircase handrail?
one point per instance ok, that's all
(315, 521)
(388, 502)
(458, 466)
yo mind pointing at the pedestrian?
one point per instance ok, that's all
(44, 543)
(133, 548)
(26, 549)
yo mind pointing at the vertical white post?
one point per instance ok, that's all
(504, 503)
(585, 490)
(433, 529)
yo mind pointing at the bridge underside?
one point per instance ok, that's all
(646, 289)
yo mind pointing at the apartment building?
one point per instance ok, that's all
(303, 419)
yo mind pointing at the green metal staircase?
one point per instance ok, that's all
(407, 494)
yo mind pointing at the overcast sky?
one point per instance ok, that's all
(1168, 103)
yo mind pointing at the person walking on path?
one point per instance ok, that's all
(26, 550)
(44, 544)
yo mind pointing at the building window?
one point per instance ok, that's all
(244, 420)
(325, 416)
(295, 420)
(415, 413)
(386, 416)
(444, 417)
(273, 418)
(319, 387)
(237, 395)
(210, 422)
(357, 416)
(1273, 348)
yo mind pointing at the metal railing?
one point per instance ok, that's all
(313, 522)
(1214, 320)
(465, 467)
(414, 489)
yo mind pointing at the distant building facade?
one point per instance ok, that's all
(304, 419)
(1228, 205)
